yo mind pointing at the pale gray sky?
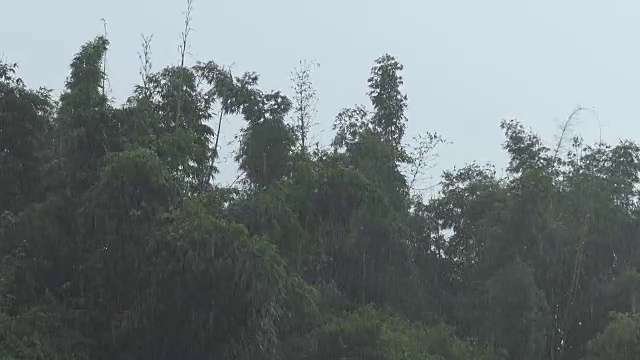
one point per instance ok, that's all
(468, 63)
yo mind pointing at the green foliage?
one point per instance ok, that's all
(24, 131)
(518, 315)
(210, 287)
(620, 339)
(182, 137)
(41, 333)
(389, 103)
(373, 334)
(85, 131)
(115, 242)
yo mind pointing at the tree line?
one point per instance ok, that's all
(117, 241)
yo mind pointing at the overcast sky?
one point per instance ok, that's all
(468, 63)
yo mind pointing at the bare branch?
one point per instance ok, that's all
(422, 155)
(184, 35)
(305, 101)
(104, 60)
(182, 48)
(145, 61)
(565, 129)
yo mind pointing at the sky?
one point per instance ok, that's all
(468, 63)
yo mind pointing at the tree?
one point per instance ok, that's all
(620, 340)
(24, 130)
(389, 103)
(115, 242)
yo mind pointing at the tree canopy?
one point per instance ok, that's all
(118, 241)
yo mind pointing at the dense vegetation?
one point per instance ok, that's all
(118, 242)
